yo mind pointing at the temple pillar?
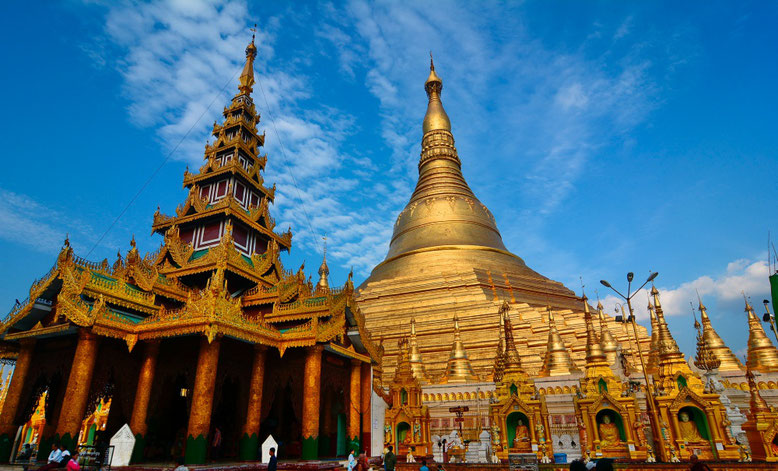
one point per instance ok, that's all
(13, 397)
(202, 401)
(140, 408)
(311, 401)
(355, 406)
(366, 382)
(249, 442)
(77, 393)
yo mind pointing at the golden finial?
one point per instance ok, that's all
(609, 345)
(247, 76)
(324, 270)
(132, 241)
(436, 117)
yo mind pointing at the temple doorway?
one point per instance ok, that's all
(166, 437)
(283, 423)
(227, 418)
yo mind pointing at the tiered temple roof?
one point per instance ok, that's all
(217, 271)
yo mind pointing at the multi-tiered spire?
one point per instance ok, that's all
(653, 354)
(762, 355)
(417, 364)
(225, 220)
(598, 370)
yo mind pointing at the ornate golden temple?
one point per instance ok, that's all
(537, 367)
(210, 331)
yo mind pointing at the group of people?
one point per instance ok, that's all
(60, 457)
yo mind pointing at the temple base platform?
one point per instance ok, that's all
(632, 466)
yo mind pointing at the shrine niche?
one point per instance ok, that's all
(519, 416)
(407, 420)
(608, 417)
(691, 416)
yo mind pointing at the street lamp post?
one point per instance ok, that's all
(769, 317)
(649, 390)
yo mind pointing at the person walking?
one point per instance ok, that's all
(390, 460)
(352, 462)
(424, 466)
(216, 444)
(272, 464)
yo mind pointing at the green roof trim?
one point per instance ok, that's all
(104, 277)
(198, 254)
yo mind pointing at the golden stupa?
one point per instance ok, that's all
(447, 259)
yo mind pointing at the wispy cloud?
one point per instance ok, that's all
(23, 220)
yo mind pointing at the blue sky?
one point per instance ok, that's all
(604, 136)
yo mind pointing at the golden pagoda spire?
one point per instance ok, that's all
(609, 345)
(762, 355)
(417, 364)
(758, 404)
(594, 350)
(512, 357)
(705, 359)
(653, 355)
(557, 361)
(668, 348)
(729, 362)
(403, 374)
(452, 217)
(323, 285)
(500, 357)
(458, 369)
(247, 76)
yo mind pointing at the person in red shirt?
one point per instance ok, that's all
(73, 463)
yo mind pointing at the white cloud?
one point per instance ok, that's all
(724, 291)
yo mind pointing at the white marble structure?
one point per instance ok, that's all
(122, 442)
(269, 443)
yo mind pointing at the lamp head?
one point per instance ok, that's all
(766, 317)
(765, 302)
(605, 283)
(630, 276)
(652, 276)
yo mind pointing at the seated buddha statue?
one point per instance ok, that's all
(609, 433)
(522, 439)
(689, 431)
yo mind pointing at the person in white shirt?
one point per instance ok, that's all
(55, 458)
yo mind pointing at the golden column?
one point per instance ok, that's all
(202, 401)
(77, 392)
(311, 393)
(249, 442)
(355, 405)
(140, 408)
(366, 383)
(14, 395)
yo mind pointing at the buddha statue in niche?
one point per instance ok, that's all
(689, 431)
(609, 432)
